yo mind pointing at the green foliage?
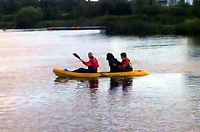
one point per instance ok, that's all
(7, 25)
(166, 19)
(8, 18)
(115, 7)
(165, 29)
(189, 28)
(195, 11)
(128, 25)
(28, 17)
(177, 11)
(51, 9)
(139, 5)
(135, 17)
(151, 10)
(52, 23)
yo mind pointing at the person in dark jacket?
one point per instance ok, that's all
(113, 62)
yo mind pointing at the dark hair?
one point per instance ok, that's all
(123, 54)
(109, 56)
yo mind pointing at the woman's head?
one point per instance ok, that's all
(109, 56)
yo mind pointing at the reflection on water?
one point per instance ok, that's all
(59, 80)
(115, 82)
(32, 100)
(92, 83)
(124, 82)
(194, 48)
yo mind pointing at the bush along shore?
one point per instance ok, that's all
(123, 17)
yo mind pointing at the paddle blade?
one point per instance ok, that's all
(77, 56)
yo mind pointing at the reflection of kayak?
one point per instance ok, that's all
(61, 73)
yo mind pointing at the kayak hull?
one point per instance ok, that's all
(61, 73)
(124, 74)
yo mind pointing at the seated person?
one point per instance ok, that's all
(92, 65)
(126, 64)
(113, 62)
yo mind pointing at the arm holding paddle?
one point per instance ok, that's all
(92, 64)
(88, 63)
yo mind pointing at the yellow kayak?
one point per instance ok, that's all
(61, 73)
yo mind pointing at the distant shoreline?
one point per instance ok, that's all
(123, 25)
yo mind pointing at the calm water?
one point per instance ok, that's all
(32, 99)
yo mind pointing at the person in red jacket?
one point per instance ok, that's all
(92, 65)
(126, 64)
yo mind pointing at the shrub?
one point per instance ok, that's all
(28, 17)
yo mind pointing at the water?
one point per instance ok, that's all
(32, 99)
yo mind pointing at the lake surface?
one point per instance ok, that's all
(33, 99)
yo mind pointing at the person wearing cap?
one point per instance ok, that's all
(126, 64)
(92, 65)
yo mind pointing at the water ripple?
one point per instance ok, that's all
(33, 99)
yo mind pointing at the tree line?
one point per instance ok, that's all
(126, 17)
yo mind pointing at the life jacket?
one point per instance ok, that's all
(126, 65)
(92, 64)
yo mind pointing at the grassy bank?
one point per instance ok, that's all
(135, 25)
(140, 25)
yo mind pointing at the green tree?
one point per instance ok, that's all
(115, 7)
(107, 6)
(139, 5)
(9, 6)
(28, 17)
(51, 9)
(195, 8)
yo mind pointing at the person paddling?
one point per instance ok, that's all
(126, 64)
(92, 65)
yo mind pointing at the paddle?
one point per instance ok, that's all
(77, 56)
